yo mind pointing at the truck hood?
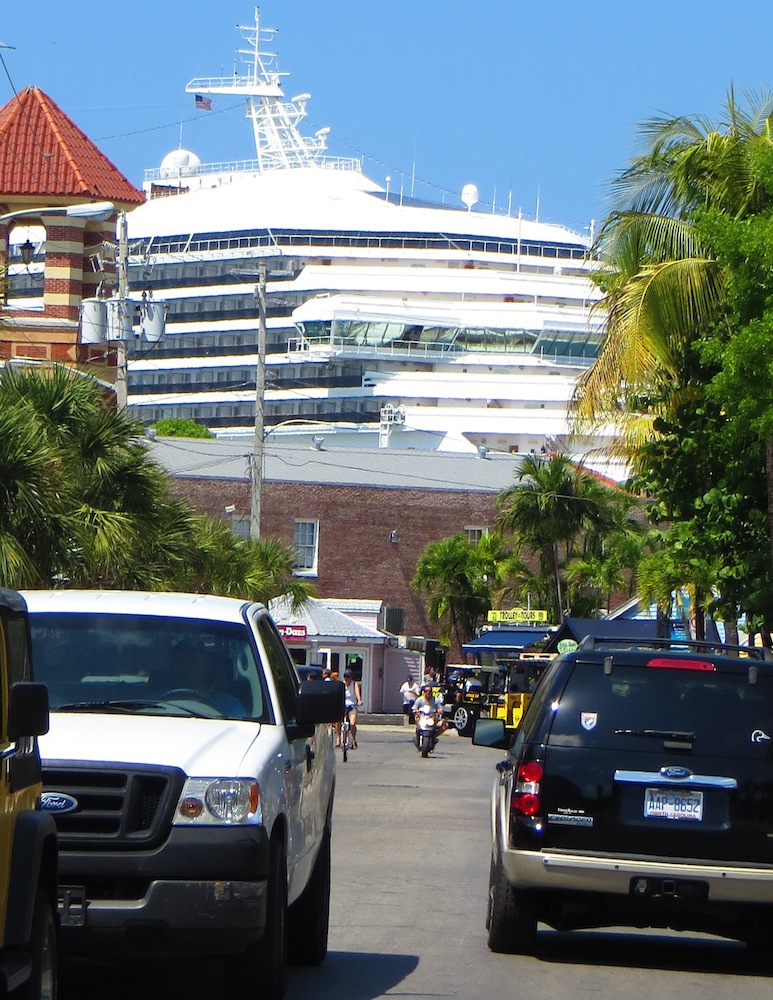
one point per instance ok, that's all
(200, 747)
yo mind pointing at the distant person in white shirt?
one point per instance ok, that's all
(410, 692)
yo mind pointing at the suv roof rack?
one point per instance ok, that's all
(691, 645)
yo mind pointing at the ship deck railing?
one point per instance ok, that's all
(434, 350)
(247, 167)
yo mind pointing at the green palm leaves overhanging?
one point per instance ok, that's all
(82, 504)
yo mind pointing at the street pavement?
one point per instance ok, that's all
(410, 870)
(410, 873)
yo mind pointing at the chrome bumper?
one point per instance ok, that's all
(554, 871)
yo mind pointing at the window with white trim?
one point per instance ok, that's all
(305, 542)
(474, 533)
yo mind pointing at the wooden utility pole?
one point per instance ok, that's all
(256, 471)
(121, 375)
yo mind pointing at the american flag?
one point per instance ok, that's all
(203, 103)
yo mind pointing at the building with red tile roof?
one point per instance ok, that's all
(47, 161)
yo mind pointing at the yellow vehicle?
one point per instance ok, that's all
(28, 853)
(522, 676)
(464, 697)
(509, 707)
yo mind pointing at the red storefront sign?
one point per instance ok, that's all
(292, 633)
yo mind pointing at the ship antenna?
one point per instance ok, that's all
(275, 120)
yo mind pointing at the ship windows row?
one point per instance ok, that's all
(218, 415)
(255, 239)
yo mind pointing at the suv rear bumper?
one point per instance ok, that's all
(614, 875)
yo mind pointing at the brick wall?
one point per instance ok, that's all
(357, 559)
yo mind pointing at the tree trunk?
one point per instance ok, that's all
(700, 624)
(557, 574)
(699, 615)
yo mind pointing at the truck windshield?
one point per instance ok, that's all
(148, 665)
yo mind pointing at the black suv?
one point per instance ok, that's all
(637, 791)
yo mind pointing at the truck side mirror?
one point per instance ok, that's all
(320, 702)
(27, 710)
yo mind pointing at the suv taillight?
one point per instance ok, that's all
(525, 800)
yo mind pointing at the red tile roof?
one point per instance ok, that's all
(44, 154)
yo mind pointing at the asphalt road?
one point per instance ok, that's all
(410, 871)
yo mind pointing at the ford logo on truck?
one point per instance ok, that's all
(676, 772)
(58, 802)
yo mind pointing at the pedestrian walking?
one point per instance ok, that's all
(410, 692)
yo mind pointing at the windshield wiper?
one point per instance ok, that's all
(126, 706)
(658, 734)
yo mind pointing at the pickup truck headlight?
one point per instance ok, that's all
(208, 801)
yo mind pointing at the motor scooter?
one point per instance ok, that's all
(427, 730)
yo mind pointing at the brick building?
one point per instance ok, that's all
(47, 162)
(359, 517)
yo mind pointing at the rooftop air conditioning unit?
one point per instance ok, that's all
(391, 620)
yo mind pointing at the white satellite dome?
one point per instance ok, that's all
(470, 196)
(179, 161)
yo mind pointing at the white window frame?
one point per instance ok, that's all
(306, 566)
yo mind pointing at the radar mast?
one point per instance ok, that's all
(278, 141)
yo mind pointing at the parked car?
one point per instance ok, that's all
(637, 791)
(191, 778)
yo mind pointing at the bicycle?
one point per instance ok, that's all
(345, 736)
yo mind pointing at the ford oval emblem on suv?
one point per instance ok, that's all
(674, 771)
(58, 802)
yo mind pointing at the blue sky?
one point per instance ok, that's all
(534, 101)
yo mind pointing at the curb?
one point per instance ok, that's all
(376, 719)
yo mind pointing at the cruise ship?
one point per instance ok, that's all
(303, 294)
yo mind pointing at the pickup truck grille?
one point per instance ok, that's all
(108, 808)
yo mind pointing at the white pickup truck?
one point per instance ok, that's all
(191, 777)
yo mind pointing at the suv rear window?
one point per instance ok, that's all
(714, 712)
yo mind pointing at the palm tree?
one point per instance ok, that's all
(221, 563)
(677, 273)
(552, 504)
(34, 526)
(664, 285)
(457, 579)
(83, 504)
(114, 499)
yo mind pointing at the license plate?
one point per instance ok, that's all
(665, 803)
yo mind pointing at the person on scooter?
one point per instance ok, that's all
(427, 698)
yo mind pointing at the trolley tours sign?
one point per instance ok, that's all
(518, 616)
